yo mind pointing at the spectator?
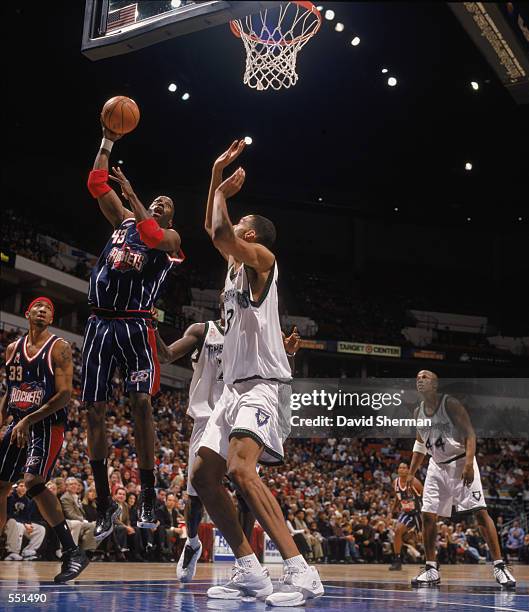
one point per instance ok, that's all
(515, 540)
(74, 512)
(89, 505)
(19, 524)
(169, 530)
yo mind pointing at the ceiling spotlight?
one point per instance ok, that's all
(396, 209)
(468, 166)
(474, 85)
(356, 41)
(172, 87)
(319, 199)
(384, 70)
(520, 219)
(120, 162)
(176, 3)
(339, 27)
(248, 140)
(392, 81)
(329, 15)
(469, 218)
(186, 96)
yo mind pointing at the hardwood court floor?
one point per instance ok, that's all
(124, 587)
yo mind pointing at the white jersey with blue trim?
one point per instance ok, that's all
(253, 344)
(442, 439)
(207, 384)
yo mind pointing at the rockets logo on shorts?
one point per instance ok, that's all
(139, 376)
(27, 395)
(262, 417)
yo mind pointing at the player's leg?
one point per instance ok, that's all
(245, 516)
(436, 499)
(44, 445)
(472, 499)
(248, 578)
(98, 367)
(242, 459)
(137, 346)
(187, 563)
(400, 531)
(5, 489)
(299, 581)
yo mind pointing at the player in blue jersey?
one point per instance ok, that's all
(123, 288)
(39, 376)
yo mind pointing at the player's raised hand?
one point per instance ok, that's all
(292, 342)
(119, 177)
(232, 184)
(236, 148)
(109, 133)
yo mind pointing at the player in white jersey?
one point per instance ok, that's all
(205, 341)
(246, 425)
(452, 477)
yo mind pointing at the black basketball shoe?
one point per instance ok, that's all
(106, 521)
(74, 561)
(147, 519)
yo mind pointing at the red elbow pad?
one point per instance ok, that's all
(151, 233)
(97, 183)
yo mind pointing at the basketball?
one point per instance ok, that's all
(120, 114)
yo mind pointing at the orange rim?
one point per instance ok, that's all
(236, 31)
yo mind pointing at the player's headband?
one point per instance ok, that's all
(42, 299)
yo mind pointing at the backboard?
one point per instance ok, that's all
(115, 27)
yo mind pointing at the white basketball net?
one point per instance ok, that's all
(272, 43)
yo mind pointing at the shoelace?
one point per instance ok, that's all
(426, 570)
(506, 569)
(238, 573)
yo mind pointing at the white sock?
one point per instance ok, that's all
(432, 564)
(193, 542)
(249, 562)
(495, 563)
(297, 561)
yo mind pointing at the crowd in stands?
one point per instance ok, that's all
(342, 518)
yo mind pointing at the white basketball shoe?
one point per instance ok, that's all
(296, 586)
(244, 584)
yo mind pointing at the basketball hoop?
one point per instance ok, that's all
(273, 41)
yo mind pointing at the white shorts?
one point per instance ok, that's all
(249, 408)
(443, 488)
(199, 426)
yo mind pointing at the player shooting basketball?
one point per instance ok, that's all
(39, 375)
(245, 426)
(123, 288)
(452, 478)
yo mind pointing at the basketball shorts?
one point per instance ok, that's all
(38, 457)
(412, 520)
(199, 426)
(129, 344)
(250, 409)
(444, 488)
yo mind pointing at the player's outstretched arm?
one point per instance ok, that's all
(220, 163)
(418, 486)
(108, 200)
(187, 343)
(151, 233)
(291, 344)
(255, 255)
(61, 358)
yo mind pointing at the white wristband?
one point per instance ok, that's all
(107, 144)
(419, 447)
